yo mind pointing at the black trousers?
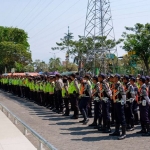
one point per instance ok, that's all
(98, 112)
(129, 114)
(105, 111)
(66, 101)
(59, 101)
(74, 103)
(120, 114)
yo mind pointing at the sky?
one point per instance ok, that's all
(46, 21)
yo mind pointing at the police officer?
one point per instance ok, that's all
(135, 102)
(111, 84)
(74, 94)
(85, 95)
(144, 103)
(97, 105)
(119, 98)
(65, 96)
(105, 96)
(58, 88)
(87, 78)
(130, 96)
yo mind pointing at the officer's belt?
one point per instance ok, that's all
(139, 102)
(117, 101)
(105, 99)
(97, 99)
(84, 96)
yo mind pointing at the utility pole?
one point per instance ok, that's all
(99, 24)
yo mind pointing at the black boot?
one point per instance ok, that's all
(116, 133)
(85, 120)
(123, 136)
(99, 126)
(94, 124)
(108, 129)
(132, 125)
(148, 130)
(143, 130)
(136, 119)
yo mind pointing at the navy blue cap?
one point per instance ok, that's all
(143, 79)
(147, 78)
(126, 77)
(87, 76)
(133, 79)
(79, 78)
(95, 78)
(102, 75)
(118, 76)
(111, 76)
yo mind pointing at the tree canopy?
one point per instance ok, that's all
(83, 52)
(138, 41)
(14, 48)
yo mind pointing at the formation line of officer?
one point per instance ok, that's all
(118, 100)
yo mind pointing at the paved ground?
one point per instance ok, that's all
(66, 134)
(11, 138)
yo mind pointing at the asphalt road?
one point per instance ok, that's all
(67, 134)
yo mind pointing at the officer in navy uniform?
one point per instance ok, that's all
(105, 96)
(144, 103)
(111, 84)
(119, 97)
(74, 96)
(148, 88)
(85, 96)
(130, 96)
(135, 102)
(97, 104)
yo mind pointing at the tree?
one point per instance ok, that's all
(40, 65)
(14, 48)
(83, 50)
(54, 64)
(139, 42)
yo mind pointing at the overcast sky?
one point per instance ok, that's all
(46, 21)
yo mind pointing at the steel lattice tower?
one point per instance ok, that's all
(99, 23)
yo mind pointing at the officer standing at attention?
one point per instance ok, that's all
(130, 96)
(85, 95)
(105, 96)
(97, 105)
(135, 102)
(74, 96)
(119, 97)
(144, 103)
(58, 87)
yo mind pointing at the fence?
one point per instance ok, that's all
(40, 139)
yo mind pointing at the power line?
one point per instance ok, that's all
(129, 3)
(31, 11)
(53, 38)
(57, 17)
(39, 13)
(64, 26)
(46, 16)
(81, 18)
(11, 10)
(63, 13)
(21, 11)
(67, 23)
(129, 7)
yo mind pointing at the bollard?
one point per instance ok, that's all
(40, 146)
(15, 121)
(8, 115)
(25, 131)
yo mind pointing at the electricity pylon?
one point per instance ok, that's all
(99, 24)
